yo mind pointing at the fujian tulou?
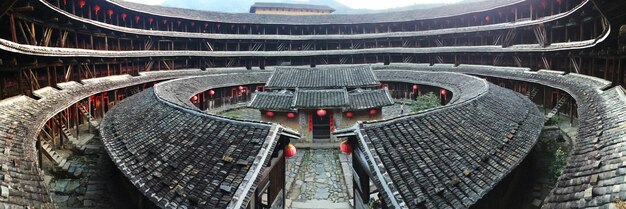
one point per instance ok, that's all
(481, 104)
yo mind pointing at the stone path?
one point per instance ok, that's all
(395, 110)
(319, 182)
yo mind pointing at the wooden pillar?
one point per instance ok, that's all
(19, 82)
(12, 28)
(102, 104)
(60, 120)
(77, 120)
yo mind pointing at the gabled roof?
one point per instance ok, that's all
(280, 101)
(290, 6)
(311, 99)
(326, 77)
(366, 99)
(321, 98)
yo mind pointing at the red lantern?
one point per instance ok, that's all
(64, 2)
(82, 3)
(321, 112)
(137, 18)
(559, 1)
(269, 114)
(211, 92)
(97, 8)
(488, 18)
(349, 114)
(291, 115)
(164, 21)
(415, 87)
(443, 92)
(345, 147)
(150, 20)
(206, 24)
(240, 88)
(194, 98)
(373, 111)
(290, 151)
(124, 15)
(193, 24)
(110, 12)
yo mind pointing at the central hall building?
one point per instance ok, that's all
(317, 101)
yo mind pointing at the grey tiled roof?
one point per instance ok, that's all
(594, 174)
(164, 151)
(315, 98)
(453, 155)
(246, 18)
(272, 101)
(311, 99)
(21, 119)
(360, 100)
(290, 6)
(323, 77)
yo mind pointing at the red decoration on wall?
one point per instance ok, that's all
(269, 114)
(443, 92)
(321, 112)
(137, 18)
(110, 12)
(82, 3)
(332, 122)
(373, 111)
(310, 122)
(124, 15)
(291, 115)
(211, 92)
(345, 147)
(349, 114)
(290, 151)
(97, 8)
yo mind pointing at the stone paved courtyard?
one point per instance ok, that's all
(316, 180)
(395, 110)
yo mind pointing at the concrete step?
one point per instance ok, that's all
(320, 204)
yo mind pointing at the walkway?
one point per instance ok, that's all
(316, 179)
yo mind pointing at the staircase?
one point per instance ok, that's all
(60, 163)
(556, 108)
(92, 121)
(532, 93)
(78, 143)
